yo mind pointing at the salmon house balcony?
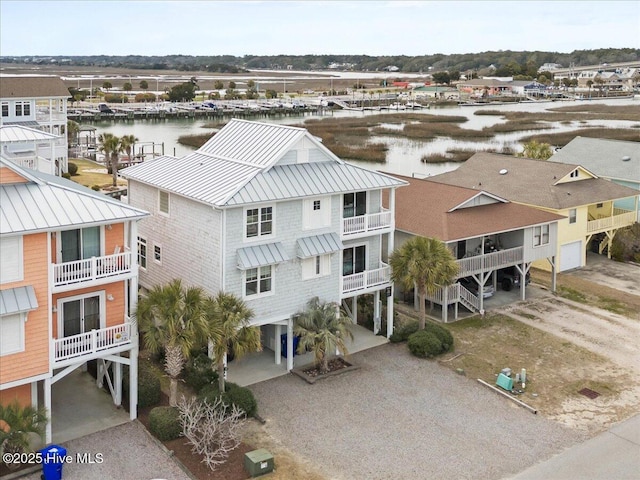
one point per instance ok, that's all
(92, 271)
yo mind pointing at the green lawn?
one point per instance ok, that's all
(91, 173)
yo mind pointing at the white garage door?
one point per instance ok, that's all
(570, 256)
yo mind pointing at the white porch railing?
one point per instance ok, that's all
(91, 269)
(366, 223)
(455, 293)
(91, 343)
(620, 218)
(366, 279)
(489, 261)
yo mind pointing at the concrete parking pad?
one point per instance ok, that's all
(404, 417)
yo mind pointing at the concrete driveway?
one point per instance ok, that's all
(403, 417)
(599, 269)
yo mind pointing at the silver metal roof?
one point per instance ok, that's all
(309, 179)
(261, 255)
(239, 166)
(319, 245)
(25, 123)
(201, 177)
(19, 133)
(47, 202)
(18, 299)
(255, 143)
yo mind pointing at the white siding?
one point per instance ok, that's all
(190, 239)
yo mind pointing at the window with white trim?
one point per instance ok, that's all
(142, 252)
(11, 334)
(258, 222)
(11, 264)
(163, 202)
(541, 235)
(157, 253)
(572, 215)
(314, 267)
(5, 109)
(574, 174)
(258, 280)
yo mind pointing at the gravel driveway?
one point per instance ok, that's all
(400, 417)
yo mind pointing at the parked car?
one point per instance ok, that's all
(509, 278)
(470, 284)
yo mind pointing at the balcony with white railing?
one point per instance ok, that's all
(94, 344)
(366, 224)
(621, 218)
(489, 261)
(367, 281)
(92, 271)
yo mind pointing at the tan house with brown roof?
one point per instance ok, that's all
(37, 102)
(486, 233)
(585, 201)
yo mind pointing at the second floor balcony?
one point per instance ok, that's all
(366, 281)
(620, 218)
(366, 224)
(489, 261)
(92, 271)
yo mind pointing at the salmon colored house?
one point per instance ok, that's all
(68, 283)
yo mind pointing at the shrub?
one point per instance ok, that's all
(95, 187)
(115, 98)
(73, 169)
(442, 334)
(66, 175)
(402, 333)
(199, 372)
(236, 395)
(145, 97)
(164, 423)
(148, 385)
(424, 344)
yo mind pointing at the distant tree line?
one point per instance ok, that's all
(505, 62)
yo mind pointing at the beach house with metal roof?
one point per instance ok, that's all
(570, 190)
(484, 232)
(266, 212)
(68, 284)
(36, 102)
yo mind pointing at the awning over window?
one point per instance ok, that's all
(261, 255)
(18, 299)
(319, 245)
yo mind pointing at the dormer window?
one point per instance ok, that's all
(574, 174)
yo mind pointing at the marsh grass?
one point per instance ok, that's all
(562, 138)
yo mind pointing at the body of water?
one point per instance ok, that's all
(404, 155)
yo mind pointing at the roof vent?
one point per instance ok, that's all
(504, 171)
(626, 158)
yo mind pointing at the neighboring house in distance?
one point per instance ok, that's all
(615, 160)
(267, 213)
(484, 232)
(38, 102)
(483, 87)
(530, 88)
(572, 191)
(30, 148)
(68, 282)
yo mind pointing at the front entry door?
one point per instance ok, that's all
(80, 315)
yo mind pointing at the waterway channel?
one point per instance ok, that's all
(404, 155)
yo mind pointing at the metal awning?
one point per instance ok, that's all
(18, 299)
(261, 255)
(319, 245)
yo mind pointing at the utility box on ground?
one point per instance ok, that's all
(505, 382)
(258, 462)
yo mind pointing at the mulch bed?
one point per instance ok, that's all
(233, 469)
(334, 365)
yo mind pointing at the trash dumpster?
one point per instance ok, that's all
(53, 458)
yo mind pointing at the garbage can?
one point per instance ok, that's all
(283, 345)
(53, 458)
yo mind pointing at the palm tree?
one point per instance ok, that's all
(425, 263)
(537, 150)
(111, 146)
(17, 423)
(322, 327)
(230, 330)
(173, 318)
(128, 142)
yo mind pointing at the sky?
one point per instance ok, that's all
(375, 28)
